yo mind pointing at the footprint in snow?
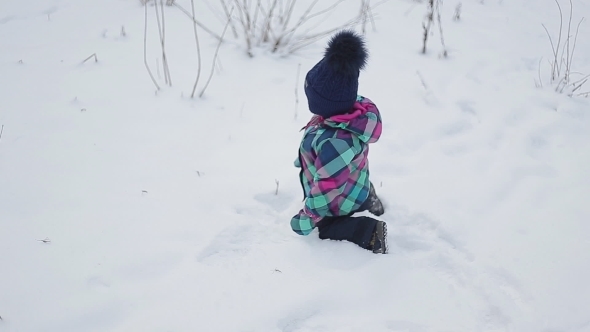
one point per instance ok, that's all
(420, 233)
(97, 282)
(455, 128)
(278, 202)
(403, 326)
(7, 19)
(234, 242)
(467, 107)
(267, 206)
(296, 321)
(423, 240)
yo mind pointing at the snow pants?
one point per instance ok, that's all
(358, 230)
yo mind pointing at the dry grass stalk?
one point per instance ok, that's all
(274, 23)
(563, 55)
(145, 48)
(215, 57)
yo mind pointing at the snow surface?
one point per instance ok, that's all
(161, 209)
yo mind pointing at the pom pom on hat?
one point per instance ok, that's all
(346, 53)
(331, 85)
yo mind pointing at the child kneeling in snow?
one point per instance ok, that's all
(333, 152)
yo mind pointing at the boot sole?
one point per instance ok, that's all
(382, 238)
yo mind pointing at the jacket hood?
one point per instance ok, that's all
(363, 120)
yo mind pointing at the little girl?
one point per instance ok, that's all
(333, 152)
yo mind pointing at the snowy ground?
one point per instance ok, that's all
(161, 210)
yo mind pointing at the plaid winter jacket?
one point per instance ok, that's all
(334, 166)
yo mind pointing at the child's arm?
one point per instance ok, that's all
(332, 166)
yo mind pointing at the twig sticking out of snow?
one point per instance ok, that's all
(90, 57)
(457, 15)
(162, 33)
(297, 90)
(215, 56)
(433, 9)
(198, 49)
(278, 25)
(422, 81)
(561, 64)
(145, 50)
(192, 17)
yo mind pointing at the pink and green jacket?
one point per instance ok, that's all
(334, 166)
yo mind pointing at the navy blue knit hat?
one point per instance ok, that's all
(331, 85)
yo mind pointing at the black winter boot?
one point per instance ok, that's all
(379, 241)
(375, 205)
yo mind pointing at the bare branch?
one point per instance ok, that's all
(194, 19)
(367, 14)
(561, 66)
(426, 25)
(557, 67)
(457, 15)
(227, 14)
(574, 47)
(245, 22)
(162, 32)
(567, 58)
(303, 19)
(289, 13)
(215, 56)
(45, 240)
(579, 86)
(297, 90)
(145, 49)
(440, 29)
(422, 81)
(581, 80)
(269, 22)
(267, 26)
(198, 49)
(310, 39)
(539, 73)
(90, 57)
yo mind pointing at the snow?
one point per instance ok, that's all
(162, 212)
